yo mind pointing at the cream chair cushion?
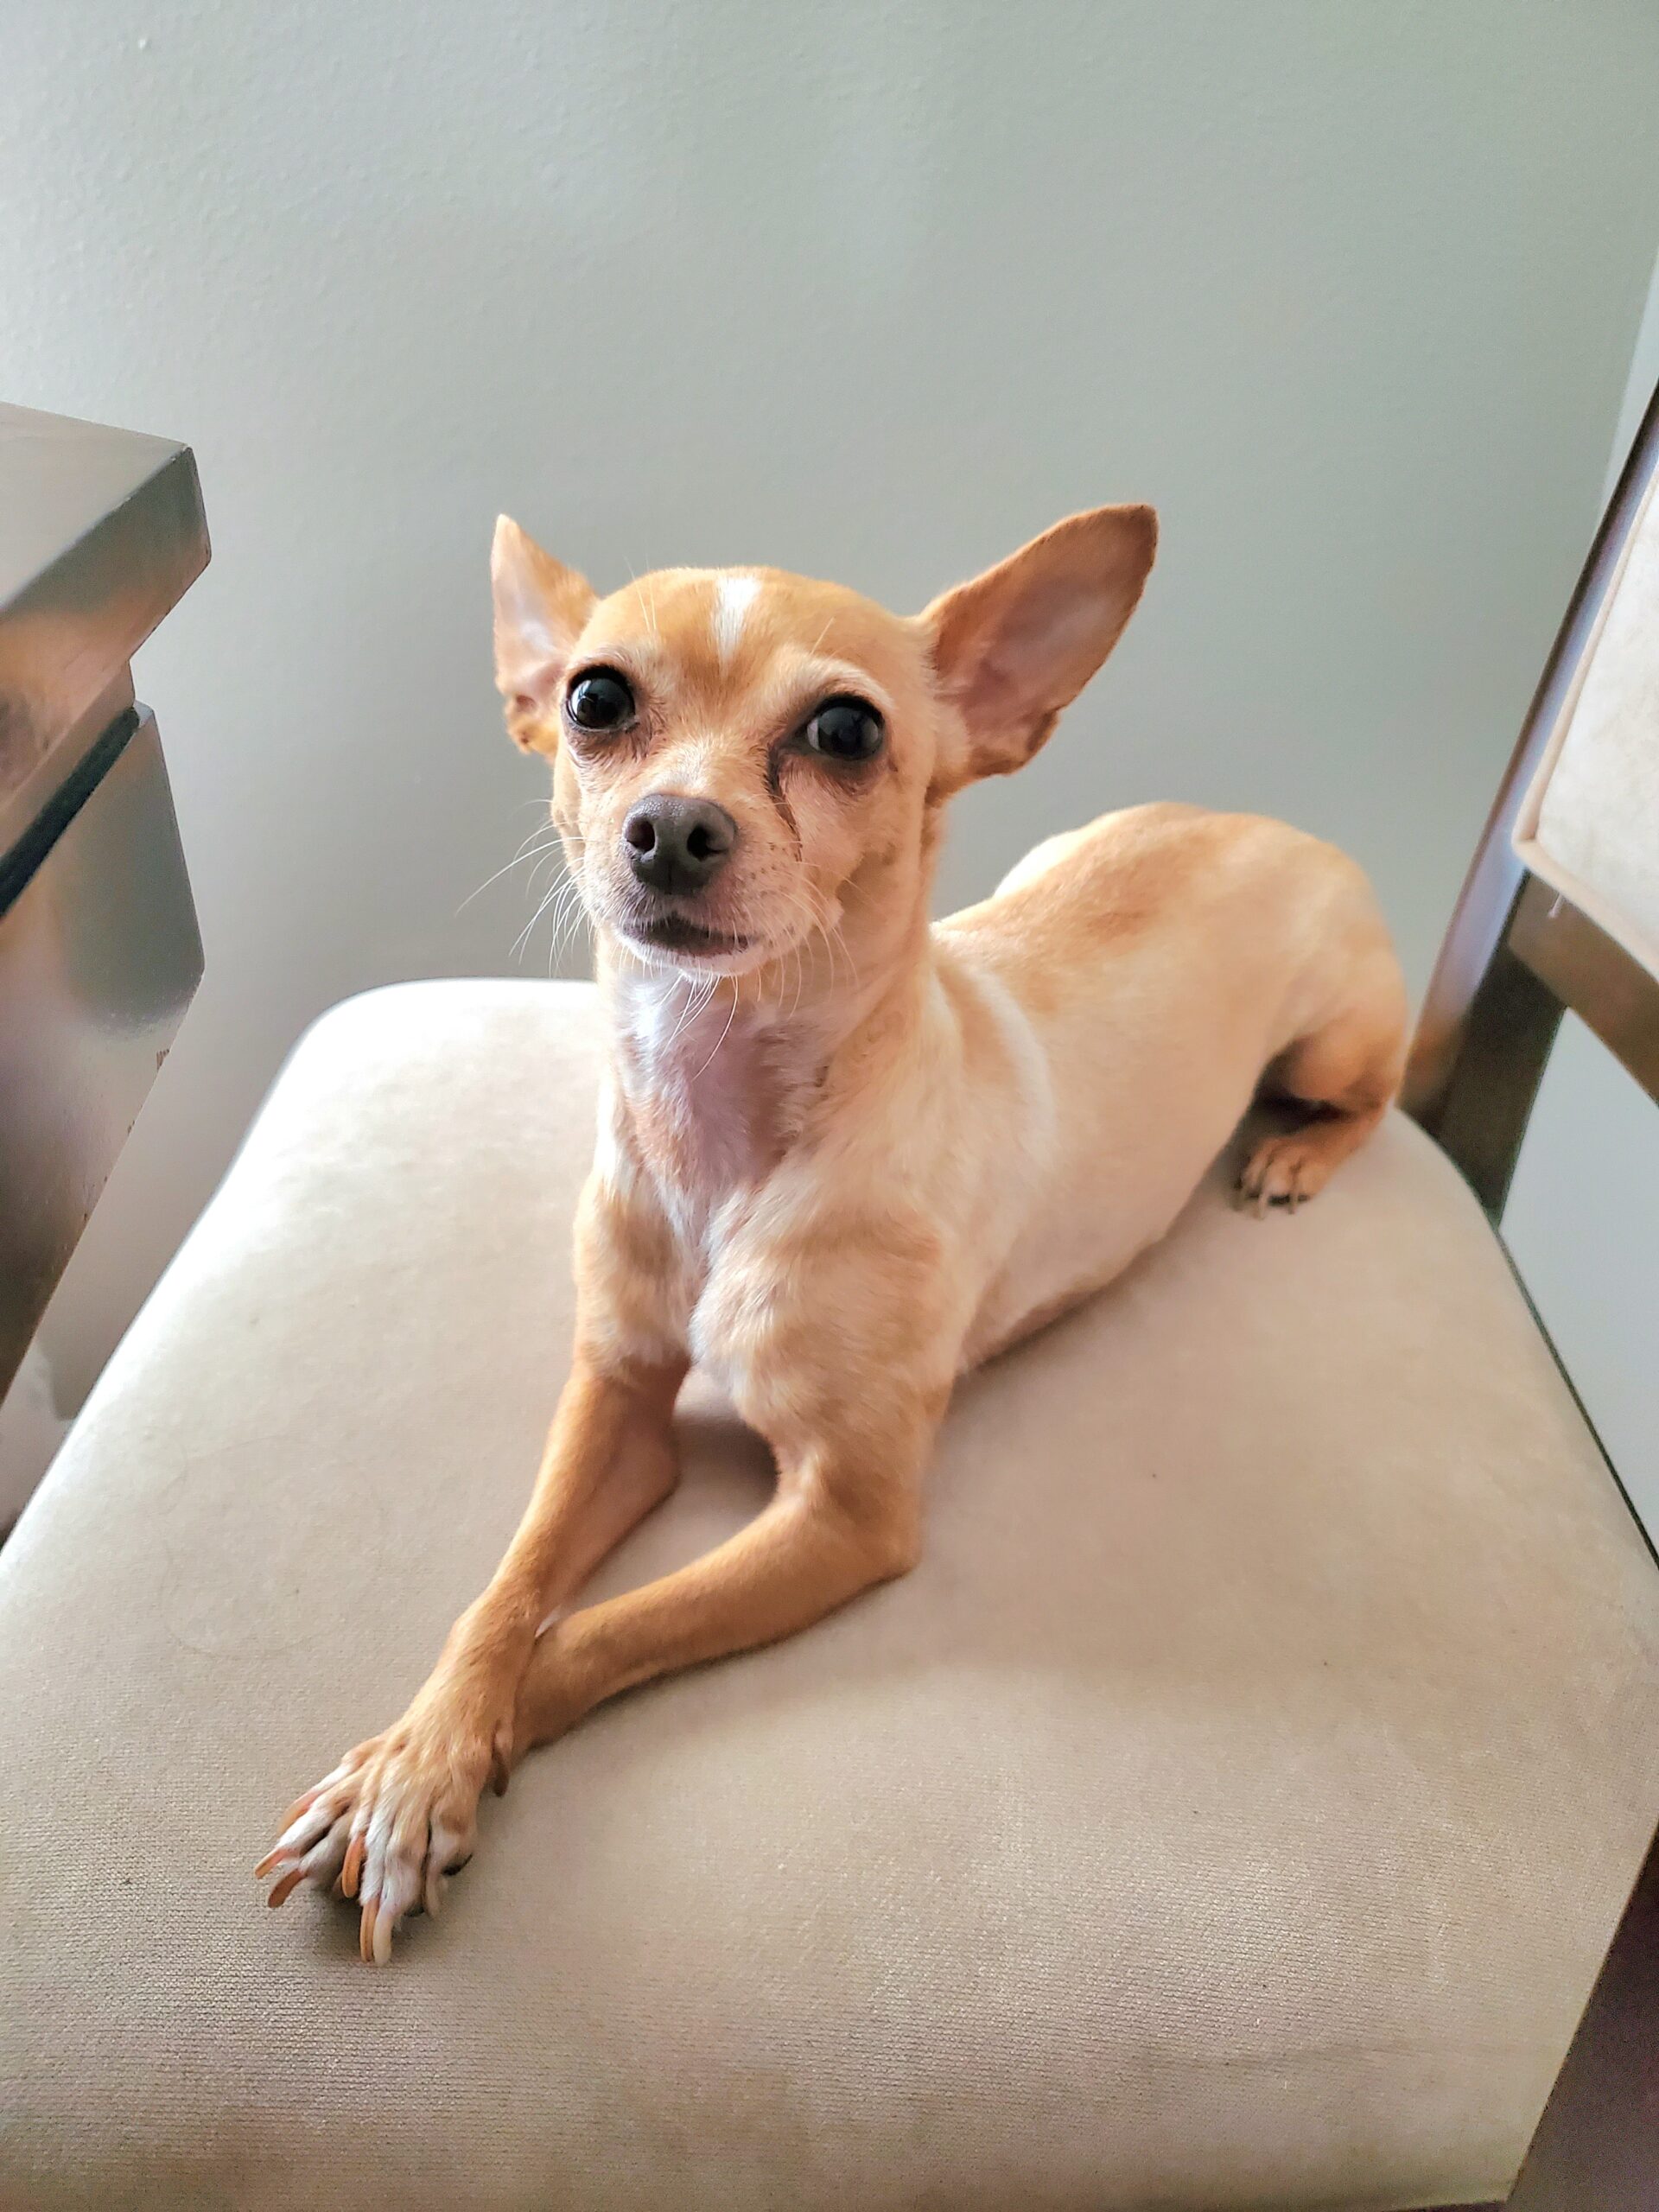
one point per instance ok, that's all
(1231, 1811)
(1589, 826)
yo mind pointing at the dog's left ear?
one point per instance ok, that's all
(541, 610)
(1014, 647)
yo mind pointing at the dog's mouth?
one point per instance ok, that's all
(663, 935)
(669, 932)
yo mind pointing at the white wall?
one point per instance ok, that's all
(875, 291)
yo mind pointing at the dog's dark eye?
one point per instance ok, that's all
(846, 729)
(599, 699)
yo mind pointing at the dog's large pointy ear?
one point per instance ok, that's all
(541, 609)
(1015, 647)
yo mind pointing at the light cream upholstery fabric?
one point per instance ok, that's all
(1590, 824)
(1230, 1812)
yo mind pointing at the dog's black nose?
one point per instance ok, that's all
(677, 844)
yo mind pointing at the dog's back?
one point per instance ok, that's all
(1163, 958)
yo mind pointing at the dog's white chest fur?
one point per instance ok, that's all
(697, 1069)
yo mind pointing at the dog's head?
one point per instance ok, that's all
(748, 764)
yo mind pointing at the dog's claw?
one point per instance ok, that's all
(350, 1872)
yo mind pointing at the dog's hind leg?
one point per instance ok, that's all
(1347, 1071)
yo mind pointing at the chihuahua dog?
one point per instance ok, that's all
(845, 1153)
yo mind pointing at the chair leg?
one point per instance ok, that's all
(1597, 2147)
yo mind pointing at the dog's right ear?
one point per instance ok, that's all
(541, 609)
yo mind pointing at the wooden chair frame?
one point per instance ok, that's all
(1517, 956)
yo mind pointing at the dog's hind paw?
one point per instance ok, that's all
(1282, 1171)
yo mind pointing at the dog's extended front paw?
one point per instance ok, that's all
(394, 1820)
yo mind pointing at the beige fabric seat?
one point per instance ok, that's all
(1232, 1810)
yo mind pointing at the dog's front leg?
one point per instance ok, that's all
(399, 1811)
(847, 1515)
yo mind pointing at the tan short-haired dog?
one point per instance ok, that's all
(844, 1154)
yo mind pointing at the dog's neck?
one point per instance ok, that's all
(716, 1078)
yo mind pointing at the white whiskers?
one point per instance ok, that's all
(724, 1034)
(530, 850)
